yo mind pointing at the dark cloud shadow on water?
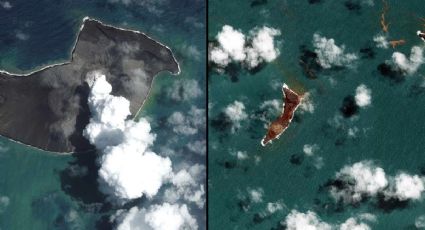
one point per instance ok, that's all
(79, 180)
(389, 72)
(255, 3)
(353, 6)
(367, 52)
(388, 205)
(349, 107)
(312, 2)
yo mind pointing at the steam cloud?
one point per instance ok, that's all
(128, 168)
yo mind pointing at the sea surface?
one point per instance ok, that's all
(42, 190)
(390, 131)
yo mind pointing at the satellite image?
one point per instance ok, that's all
(103, 114)
(314, 110)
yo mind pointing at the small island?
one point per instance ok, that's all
(48, 109)
(278, 126)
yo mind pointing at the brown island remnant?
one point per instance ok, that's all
(278, 126)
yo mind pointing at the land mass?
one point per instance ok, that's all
(48, 109)
(278, 126)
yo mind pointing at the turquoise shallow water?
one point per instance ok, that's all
(391, 131)
(41, 190)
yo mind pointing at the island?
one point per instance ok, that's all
(48, 109)
(278, 126)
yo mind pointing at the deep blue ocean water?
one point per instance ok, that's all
(41, 190)
(391, 131)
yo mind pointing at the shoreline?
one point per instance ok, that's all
(39, 69)
(70, 59)
(282, 120)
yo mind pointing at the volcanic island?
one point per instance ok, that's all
(278, 126)
(48, 108)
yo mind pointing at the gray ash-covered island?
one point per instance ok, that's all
(48, 108)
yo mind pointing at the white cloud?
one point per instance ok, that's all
(263, 46)
(275, 105)
(329, 54)
(128, 169)
(353, 224)
(362, 179)
(256, 195)
(6, 5)
(232, 42)
(188, 124)
(4, 202)
(311, 221)
(236, 113)
(363, 96)
(310, 149)
(258, 47)
(420, 222)
(21, 35)
(188, 185)
(241, 155)
(184, 90)
(199, 147)
(307, 104)
(159, 217)
(365, 179)
(409, 65)
(273, 207)
(192, 51)
(381, 41)
(305, 221)
(406, 187)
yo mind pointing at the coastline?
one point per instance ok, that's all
(70, 59)
(279, 119)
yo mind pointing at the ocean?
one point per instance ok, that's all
(42, 190)
(246, 179)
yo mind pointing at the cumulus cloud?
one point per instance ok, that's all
(251, 50)
(406, 187)
(311, 221)
(420, 222)
(236, 113)
(353, 224)
(381, 41)
(4, 202)
(329, 54)
(128, 169)
(184, 90)
(188, 124)
(21, 35)
(256, 194)
(6, 5)
(188, 186)
(307, 104)
(158, 217)
(305, 221)
(241, 155)
(273, 207)
(310, 149)
(192, 52)
(409, 65)
(362, 179)
(199, 147)
(263, 46)
(363, 96)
